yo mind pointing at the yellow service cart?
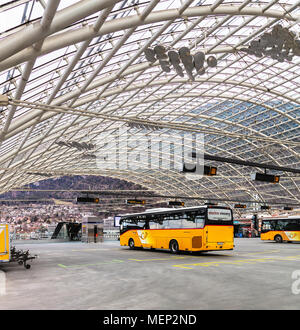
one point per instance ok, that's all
(10, 253)
(4, 243)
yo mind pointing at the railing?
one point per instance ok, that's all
(112, 237)
(28, 236)
(43, 236)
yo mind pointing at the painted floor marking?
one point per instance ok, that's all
(237, 262)
(253, 253)
(191, 265)
(88, 250)
(114, 261)
(155, 259)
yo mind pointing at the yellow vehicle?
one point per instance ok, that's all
(281, 229)
(201, 228)
(4, 243)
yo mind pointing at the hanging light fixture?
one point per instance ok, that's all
(160, 52)
(183, 56)
(280, 44)
(175, 61)
(201, 72)
(150, 55)
(211, 61)
(199, 59)
(165, 65)
(187, 61)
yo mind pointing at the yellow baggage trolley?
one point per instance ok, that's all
(4, 243)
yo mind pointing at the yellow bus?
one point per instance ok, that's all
(281, 229)
(201, 228)
(4, 243)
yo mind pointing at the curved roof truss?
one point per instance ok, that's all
(75, 72)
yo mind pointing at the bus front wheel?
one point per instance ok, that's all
(278, 239)
(174, 247)
(131, 243)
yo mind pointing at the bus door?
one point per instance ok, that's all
(146, 236)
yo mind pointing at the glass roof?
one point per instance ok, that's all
(75, 71)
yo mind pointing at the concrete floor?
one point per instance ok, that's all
(256, 275)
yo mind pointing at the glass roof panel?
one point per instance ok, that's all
(100, 80)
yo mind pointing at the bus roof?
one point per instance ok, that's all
(172, 210)
(282, 218)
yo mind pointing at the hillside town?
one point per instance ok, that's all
(38, 219)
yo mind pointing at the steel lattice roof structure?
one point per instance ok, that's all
(74, 70)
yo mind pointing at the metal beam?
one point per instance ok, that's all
(248, 163)
(81, 34)
(45, 24)
(149, 194)
(63, 18)
(177, 126)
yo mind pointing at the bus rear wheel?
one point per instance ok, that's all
(131, 243)
(174, 247)
(278, 239)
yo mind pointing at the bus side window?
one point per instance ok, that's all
(174, 224)
(157, 224)
(154, 225)
(292, 225)
(199, 221)
(187, 224)
(266, 226)
(165, 224)
(280, 225)
(297, 224)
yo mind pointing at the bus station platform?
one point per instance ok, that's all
(76, 276)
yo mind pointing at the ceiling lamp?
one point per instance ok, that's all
(150, 55)
(184, 52)
(199, 59)
(165, 65)
(132, 124)
(88, 156)
(201, 72)
(78, 145)
(280, 44)
(61, 143)
(47, 175)
(176, 58)
(87, 146)
(266, 40)
(160, 52)
(187, 60)
(161, 55)
(211, 61)
(175, 61)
